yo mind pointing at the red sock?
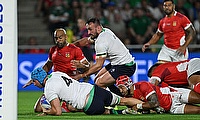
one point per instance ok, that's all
(197, 88)
(64, 107)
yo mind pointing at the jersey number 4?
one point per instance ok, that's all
(67, 80)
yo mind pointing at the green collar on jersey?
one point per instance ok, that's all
(103, 30)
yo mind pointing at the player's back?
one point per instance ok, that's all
(65, 88)
(172, 73)
(107, 42)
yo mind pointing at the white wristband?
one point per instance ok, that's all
(139, 106)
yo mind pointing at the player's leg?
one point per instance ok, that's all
(191, 109)
(194, 82)
(185, 109)
(100, 73)
(37, 106)
(111, 73)
(105, 80)
(164, 54)
(194, 97)
(193, 74)
(97, 100)
(188, 96)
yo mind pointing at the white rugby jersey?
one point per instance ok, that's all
(60, 85)
(109, 45)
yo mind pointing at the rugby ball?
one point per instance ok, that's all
(45, 103)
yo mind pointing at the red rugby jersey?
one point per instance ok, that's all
(173, 29)
(172, 73)
(142, 90)
(61, 58)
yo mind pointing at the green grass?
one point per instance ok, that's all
(26, 101)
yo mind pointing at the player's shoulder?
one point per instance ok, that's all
(105, 32)
(53, 48)
(180, 15)
(73, 46)
(142, 84)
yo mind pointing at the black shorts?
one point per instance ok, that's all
(99, 99)
(119, 70)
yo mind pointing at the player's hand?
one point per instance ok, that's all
(77, 77)
(180, 51)
(75, 63)
(159, 110)
(145, 46)
(42, 114)
(28, 83)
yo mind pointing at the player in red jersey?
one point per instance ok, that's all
(178, 32)
(63, 57)
(184, 73)
(173, 100)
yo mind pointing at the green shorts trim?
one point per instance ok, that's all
(90, 99)
(130, 64)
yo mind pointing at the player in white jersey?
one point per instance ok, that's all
(107, 46)
(81, 96)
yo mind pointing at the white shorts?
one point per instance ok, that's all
(168, 54)
(193, 66)
(179, 100)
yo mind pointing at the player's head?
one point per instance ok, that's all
(152, 68)
(168, 7)
(124, 84)
(39, 74)
(94, 27)
(60, 37)
(125, 81)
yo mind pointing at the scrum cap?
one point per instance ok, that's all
(124, 80)
(38, 74)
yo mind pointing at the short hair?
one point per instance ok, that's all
(169, 0)
(93, 20)
(152, 67)
(61, 29)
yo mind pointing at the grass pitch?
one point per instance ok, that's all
(26, 101)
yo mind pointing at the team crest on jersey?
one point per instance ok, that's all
(67, 54)
(174, 23)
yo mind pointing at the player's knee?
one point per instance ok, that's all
(99, 82)
(37, 109)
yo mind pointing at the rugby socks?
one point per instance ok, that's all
(64, 107)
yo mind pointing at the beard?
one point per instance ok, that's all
(60, 45)
(94, 36)
(168, 12)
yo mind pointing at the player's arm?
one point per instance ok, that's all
(154, 80)
(152, 103)
(83, 41)
(55, 108)
(82, 64)
(190, 34)
(129, 101)
(153, 40)
(93, 69)
(48, 65)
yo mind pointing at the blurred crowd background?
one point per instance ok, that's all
(133, 21)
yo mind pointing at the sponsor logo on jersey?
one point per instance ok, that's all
(67, 54)
(174, 23)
